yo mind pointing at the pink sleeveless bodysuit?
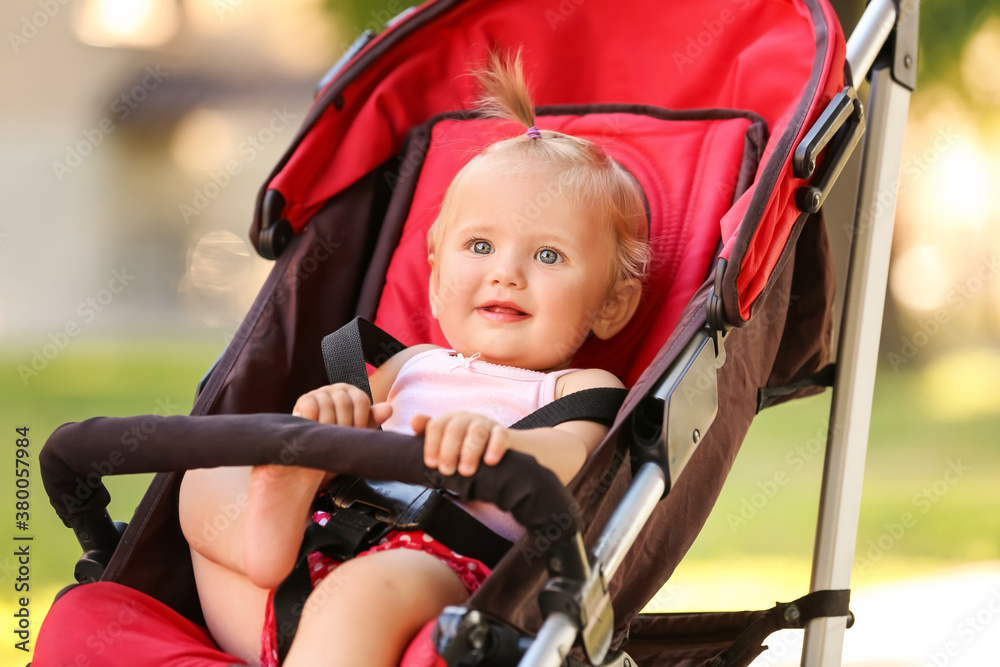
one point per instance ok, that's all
(433, 383)
(439, 381)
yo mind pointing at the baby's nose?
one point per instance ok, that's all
(509, 271)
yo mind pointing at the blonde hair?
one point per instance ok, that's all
(593, 178)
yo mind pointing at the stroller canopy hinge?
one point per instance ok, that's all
(715, 309)
(840, 126)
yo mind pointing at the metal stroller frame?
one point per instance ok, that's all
(883, 46)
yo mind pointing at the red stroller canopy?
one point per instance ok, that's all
(780, 60)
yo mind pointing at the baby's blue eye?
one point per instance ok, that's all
(482, 247)
(548, 256)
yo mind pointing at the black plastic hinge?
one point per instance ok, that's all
(275, 232)
(715, 309)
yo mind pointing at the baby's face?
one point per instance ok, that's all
(519, 274)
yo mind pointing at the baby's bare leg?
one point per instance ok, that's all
(212, 509)
(368, 609)
(278, 502)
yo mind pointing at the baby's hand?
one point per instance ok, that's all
(341, 404)
(458, 440)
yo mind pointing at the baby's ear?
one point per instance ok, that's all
(618, 308)
(432, 287)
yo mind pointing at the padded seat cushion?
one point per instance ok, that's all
(691, 165)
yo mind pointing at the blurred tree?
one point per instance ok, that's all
(357, 16)
(945, 28)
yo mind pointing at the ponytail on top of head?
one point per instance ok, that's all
(505, 91)
(586, 174)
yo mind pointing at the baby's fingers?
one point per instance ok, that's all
(477, 434)
(450, 430)
(380, 412)
(349, 406)
(419, 425)
(306, 407)
(498, 445)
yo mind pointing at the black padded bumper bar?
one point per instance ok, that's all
(518, 484)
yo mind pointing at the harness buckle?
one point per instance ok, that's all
(400, 506)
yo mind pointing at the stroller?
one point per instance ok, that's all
(736, 128)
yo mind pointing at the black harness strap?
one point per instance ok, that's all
(597, 405)
(354, 531)
(818, 604)
(768, 396)
(350, 531)
(347, 349)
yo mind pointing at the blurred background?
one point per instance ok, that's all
(135, 135)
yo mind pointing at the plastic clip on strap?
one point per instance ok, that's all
(784, 615)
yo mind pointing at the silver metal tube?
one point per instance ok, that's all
(857, 357)
(629, 517)
(868, 37)
(552, 644)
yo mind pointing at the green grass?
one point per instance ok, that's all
(915, 516)
(88, 379)
(731, 565)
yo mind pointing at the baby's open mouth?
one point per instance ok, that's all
(502, 311)
(507, 310)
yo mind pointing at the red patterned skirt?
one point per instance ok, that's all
(471, 571)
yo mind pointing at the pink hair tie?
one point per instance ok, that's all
(534, 133)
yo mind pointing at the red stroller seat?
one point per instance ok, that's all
(704, 102)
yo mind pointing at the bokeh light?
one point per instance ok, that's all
(919, 278)
(963, 384)
(961, 187)
(129, 23)
(981, 63)
(202, 140)
(219, 261)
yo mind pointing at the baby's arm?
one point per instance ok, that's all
(459, 440)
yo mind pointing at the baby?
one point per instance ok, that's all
(515, 301)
